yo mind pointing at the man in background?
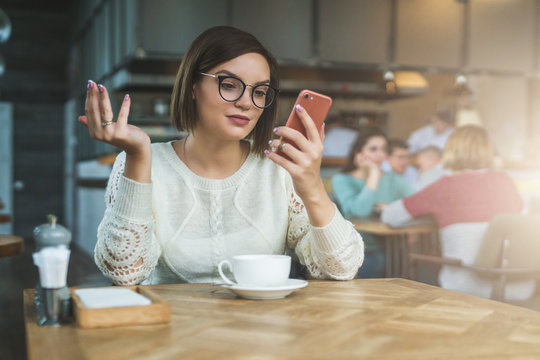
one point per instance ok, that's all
(338, 138)
(399, 160)
(436, 133)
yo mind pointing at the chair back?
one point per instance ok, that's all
(511, 241)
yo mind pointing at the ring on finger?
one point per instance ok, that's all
(105, 123)
(280, 146)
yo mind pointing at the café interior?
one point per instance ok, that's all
(393, 65)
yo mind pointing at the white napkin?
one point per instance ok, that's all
(52, 262)
(103, 298)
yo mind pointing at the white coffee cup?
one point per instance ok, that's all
(257, 270)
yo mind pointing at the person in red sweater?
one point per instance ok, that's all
(462, 204)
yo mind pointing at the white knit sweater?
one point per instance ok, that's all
(182, 225)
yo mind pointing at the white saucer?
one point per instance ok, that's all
(267, 293)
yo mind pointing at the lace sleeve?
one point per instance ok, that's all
(126, 250)
(335, 251)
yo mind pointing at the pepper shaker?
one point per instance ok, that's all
(51, 234)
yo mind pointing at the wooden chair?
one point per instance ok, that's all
(510, 249)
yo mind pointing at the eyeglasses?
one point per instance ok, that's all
(232, 88)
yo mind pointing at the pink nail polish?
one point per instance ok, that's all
(266, 152)
(275, 130)
(90, 84)
(100, 88)
(299, 108)
(126, 97)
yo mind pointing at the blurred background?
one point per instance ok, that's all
(389, 63)
(386, 63)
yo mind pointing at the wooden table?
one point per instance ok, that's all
(396, 241)
(11, 245)
(358, 319)
(5, 218)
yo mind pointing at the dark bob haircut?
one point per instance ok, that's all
(210, 49)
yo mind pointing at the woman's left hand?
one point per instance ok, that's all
(304, 165)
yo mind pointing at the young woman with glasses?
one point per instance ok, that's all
(176, 209)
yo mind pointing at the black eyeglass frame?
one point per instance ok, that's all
(253, 87)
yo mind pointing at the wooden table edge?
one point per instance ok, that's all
(11, 245)
(380, 228)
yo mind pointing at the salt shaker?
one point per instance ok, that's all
(51, 234)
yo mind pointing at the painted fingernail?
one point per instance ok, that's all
(100, 88)
(126, 97)
(299, 108)
(275, 130)
(266, 152)
(90, 84)
(270, 142)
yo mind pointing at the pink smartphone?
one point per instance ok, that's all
(316, 105)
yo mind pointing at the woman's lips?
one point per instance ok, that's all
(239, 119)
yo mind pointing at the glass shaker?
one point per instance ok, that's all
(51, 234)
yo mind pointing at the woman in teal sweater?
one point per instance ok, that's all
(362, 189)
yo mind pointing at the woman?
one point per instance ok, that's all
(362, 189)
(462, 203)
(175, 210)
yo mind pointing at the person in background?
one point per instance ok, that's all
(428, 161)
(338, 138)
(399, 160)
(362, 189)
(436, 133)
(462, 204)
(175, 210)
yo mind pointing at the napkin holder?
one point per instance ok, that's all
(156, 313)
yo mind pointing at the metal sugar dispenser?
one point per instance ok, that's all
(52, 299)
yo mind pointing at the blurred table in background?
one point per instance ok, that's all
(4, 218)
(337, 162)
(11, 245)
(107, 159)
(397, 241)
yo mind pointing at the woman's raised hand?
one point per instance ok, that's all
(364, 164)
(99, 119)
(367, 170)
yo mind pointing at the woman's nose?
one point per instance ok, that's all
(245, 100)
